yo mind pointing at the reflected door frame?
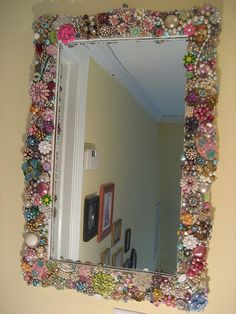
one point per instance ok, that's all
(74, 73)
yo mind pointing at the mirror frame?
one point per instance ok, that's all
(188, 288)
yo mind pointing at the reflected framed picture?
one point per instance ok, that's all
(127, 240)
(116, 232)
(91, 208)
(117, 258)
(105, 257)
(106, 204)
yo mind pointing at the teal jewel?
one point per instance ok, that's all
(31, 141)
(166, 34)
(40, 263)
(211, 154)
(47, 42)
(179, 246)
(31, 170)
(201, 161)
(42, 241)
(158, 23)
(48, 138)
(197, 22)
(202, 93)
(35, 282)
(31, 213)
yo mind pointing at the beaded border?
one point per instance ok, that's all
(188, 288)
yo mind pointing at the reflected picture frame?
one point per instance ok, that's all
(116, 232)
(91, 210)
(105, 257)
(106, 204)
(187, 290)
(127, 240)
(117, 258)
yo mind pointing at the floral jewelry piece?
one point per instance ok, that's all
(187, 289)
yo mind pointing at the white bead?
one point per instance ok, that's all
(182, 278)
(36, 36)
(31, 239)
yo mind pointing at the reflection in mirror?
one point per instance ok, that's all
(121, 112)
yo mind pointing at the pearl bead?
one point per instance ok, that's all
(182, 278)
(204, 187)
(31, 239)
(171, 21)
(36, 36)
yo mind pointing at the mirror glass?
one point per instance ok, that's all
(120, 120)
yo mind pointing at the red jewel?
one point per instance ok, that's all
(199, 251)
(191, 273)
(42, 188)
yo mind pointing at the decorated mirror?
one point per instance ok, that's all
(121, 153)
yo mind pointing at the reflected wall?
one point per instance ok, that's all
(126, 137)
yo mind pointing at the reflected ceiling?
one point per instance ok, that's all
(156, 84)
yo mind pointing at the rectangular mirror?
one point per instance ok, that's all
(116, 95)
(121, 154)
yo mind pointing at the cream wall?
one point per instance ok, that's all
(16, 56)
(171, 148)
(126, 138)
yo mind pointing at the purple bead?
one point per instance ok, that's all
(46, 166)
(48, 127)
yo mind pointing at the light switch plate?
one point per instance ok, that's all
(122, 311)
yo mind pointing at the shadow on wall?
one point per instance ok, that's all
(77, 7)
(81, 7)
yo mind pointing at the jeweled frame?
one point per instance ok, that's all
(188, 288)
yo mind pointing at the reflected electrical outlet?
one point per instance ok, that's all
(122, 311)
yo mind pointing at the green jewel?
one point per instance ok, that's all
(189, 75)
(135, 31)
(103, 284)
(51, 265)
(46, 199)
(53, 37)
(189, 59)
(206, 197)
(184, 15)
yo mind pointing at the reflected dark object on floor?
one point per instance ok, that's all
(133, 259)
(127, 263)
